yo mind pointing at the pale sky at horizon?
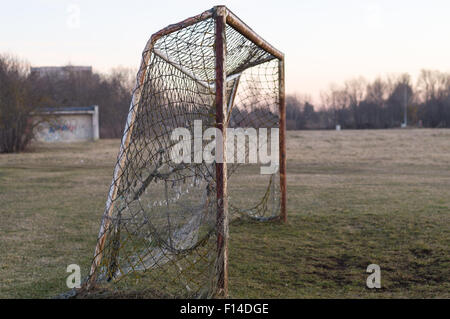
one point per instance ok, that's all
(324, 41)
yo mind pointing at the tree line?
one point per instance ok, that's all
(380, 104)
(357, 104)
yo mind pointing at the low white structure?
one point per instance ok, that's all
(67, 124)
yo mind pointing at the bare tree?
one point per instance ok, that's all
(18, 100)
(355, 90)
(433, 85)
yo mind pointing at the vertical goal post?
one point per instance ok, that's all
(221, 168)
(113, 221)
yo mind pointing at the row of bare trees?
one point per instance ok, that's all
(359, 104)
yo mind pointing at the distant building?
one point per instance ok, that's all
(67, 124)
(60, 71)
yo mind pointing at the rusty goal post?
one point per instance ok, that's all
(167, 223)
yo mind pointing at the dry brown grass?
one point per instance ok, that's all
(354, 198)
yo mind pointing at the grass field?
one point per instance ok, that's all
(354, 198)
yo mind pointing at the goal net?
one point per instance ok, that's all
(165, 227)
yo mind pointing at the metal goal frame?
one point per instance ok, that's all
(222, 16)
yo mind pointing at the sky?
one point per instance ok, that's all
(325, 41)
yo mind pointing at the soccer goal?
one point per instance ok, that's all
(165, 225)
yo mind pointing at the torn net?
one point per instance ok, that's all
(162, 229)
